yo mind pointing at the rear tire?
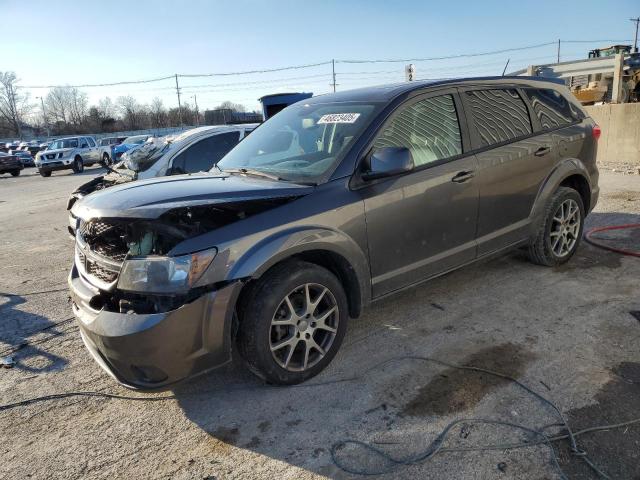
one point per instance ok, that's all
(106, 159)
(78, 165)
(15, 173)
(45, 173)
(561, 230)
(292, 322)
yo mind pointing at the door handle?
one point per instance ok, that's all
(542, 151)
(462, 177)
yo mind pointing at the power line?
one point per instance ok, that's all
(447, 57)
(129, 82)
(311, 65)
(248, 72)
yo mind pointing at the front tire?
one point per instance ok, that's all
(45, 173)
(561, 230)
(15, 173)
(292, 322)
(78, 165)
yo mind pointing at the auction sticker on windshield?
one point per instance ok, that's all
(339, 118)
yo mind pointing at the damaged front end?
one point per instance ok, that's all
(149, 316)
(128, 260)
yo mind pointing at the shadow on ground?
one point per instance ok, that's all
(18, 332)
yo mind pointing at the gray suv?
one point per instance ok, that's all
(73, 153)
(334, 202)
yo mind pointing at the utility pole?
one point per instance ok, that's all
(179, 105)
(197, 114)
(558, 51)
(635, 42)
(44, 116)
(333, 73)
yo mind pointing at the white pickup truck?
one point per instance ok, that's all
(106, 146)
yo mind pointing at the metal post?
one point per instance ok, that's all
(558, 51)
(616, 90)
(44, 116)
(333, 73)
(635, 42)
(179, 105)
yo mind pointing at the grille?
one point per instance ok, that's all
(96, 228)
(105, 238)
(110, 251)
(100, 272)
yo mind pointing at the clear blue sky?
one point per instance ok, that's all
(73, 42)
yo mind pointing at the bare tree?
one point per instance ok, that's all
(131, 111)
(58, 105)
(106, 108)
(158, 114)
(236, 107)
(14, 106)
(77, 105)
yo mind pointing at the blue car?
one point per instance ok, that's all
(128, 144)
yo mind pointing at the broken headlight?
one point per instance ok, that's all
(168, 275)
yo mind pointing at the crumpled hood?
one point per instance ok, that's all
(151, 198)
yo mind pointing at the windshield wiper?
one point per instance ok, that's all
(249, 171)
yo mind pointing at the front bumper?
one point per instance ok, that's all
(153, 351)
(51, 165)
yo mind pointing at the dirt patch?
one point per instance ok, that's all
(615, 452)
(458, 390)
(589, 256)
(628, 195)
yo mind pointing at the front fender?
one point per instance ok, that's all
(563, 170)
(238, 263)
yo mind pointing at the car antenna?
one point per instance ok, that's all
(505, 67)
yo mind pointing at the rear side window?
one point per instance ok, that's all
(204, 154)
(428, 128)
(552, 108)
(499, 115)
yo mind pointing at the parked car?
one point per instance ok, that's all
(25, 157)
(10, 164)
(127, 144)
(385, 188)
(193, 151)
(106, 146)
(68, 153)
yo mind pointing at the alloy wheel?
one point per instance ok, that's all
(304, 327)
(565, 228)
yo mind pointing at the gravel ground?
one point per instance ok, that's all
(570, 333)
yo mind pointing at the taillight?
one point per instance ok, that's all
(596, 132)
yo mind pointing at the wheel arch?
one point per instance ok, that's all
(569, 173)
(327, 248)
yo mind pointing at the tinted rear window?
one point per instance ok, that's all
(552, 109)
(499, 115)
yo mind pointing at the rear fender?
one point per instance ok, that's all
(564, 169)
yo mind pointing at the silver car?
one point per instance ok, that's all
(71, 153)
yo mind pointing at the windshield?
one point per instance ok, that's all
(136, 140)
(302, 143)
(141, 158)
(64, 143)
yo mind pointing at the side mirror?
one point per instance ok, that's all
(389, 161)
